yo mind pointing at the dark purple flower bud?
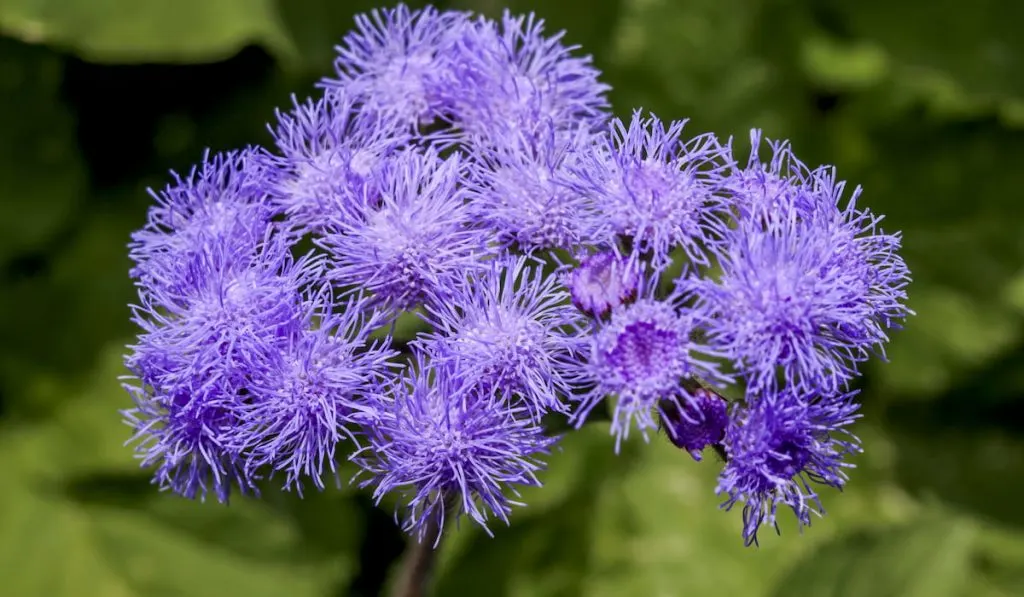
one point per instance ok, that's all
(603, 281)
(697, 422)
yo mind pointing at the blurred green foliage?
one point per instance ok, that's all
(921, 102)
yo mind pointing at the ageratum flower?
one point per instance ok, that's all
(805, 296)
(603, 281)
(641, 357)
(448, 446)
(696, 424)
(396, 61)
(223, 202)
(509, 75)
(513, 333)
(331, 154)
(522, 190)
(656, 189)
(417, 243)
(197, 354)
(764, 191)
(302, 403)
(777, 447)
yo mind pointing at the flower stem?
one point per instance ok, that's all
(418, 561)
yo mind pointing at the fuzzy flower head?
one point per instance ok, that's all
(223, 203)
(513, 333)
(696, 424)
(642, 356)
(763, 191)
(448, 446)
(603, 281)
(509, 75)
(331, 155)
(656, 189)
(804, 297)
(522, 190)
(196, 357)
(777, 447)
(417, 243)
(301, 405)
(396, 60)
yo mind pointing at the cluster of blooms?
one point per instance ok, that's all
(468, 171)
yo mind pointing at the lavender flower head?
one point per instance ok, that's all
(417, 243)
(396, 62)
(510, 75)
(195, 358)
(446, 445)
(642, 356)
(523, 190)
(777, 447)
(331, 154)
(657, 190)
(804, 297)
(513, 334)
(302, 403)
(221, 202)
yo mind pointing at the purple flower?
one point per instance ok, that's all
(807, 295)
(331, 156)
(446, 445)
(222, 202)
(603, 281)
(417, 243)
(696, 424)
(512, 333)
(523, 191)
(656, 189)
(302, 403)
(197, 354)
(761, 192)
(777, 447)
(642, 356)
(396, 60)
(509, 75)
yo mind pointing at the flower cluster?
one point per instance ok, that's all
(467, 171)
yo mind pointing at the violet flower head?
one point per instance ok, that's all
(223, 202)
(331, 155)
(417, 243)
(447, 446)
(522, 190)
(806, 296)
(777, 447)
(396, 60)
(302, 404)
(763, 191)
(603, 281)
(509, 75)
(196, 356)
(696, 424)
(656, 189)
(641, 357)
(513, 333)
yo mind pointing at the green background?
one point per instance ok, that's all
(921, 101)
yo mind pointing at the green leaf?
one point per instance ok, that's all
(646, 522)
(40, 166)
(81, 519)
(709, 61)
(977, 46)
(147, 30)
(926, 558)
